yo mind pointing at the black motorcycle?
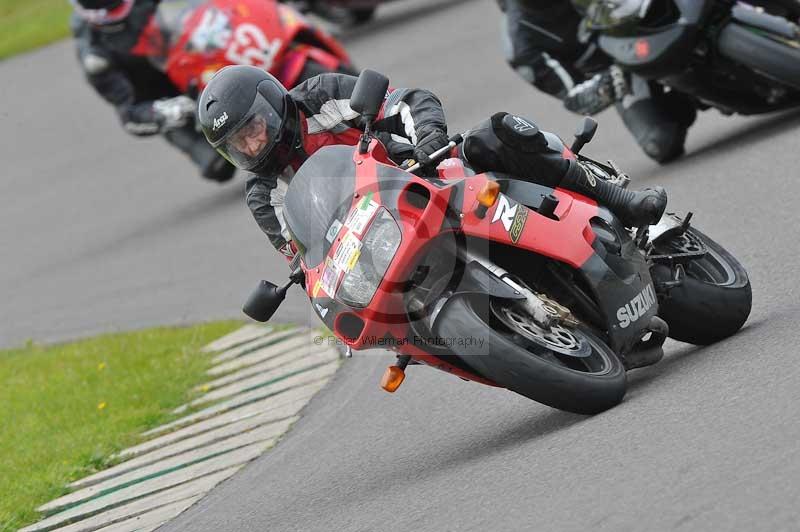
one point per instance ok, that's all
(733, 56)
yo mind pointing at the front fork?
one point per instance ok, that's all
(544, 313)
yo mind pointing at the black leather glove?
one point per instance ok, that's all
(597, 93)
(429, 139)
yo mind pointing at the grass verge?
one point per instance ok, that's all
(27, 24)
(64, 409)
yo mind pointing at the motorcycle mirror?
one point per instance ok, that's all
(368, 94)
(584, 134)
(264, 301)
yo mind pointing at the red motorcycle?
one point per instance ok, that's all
(190, 41)
(495, 279)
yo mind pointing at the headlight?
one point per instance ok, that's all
(377, 251)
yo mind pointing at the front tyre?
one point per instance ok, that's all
(565, 368)
(714, 299)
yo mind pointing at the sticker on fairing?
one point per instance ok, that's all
(359, 217)
(330, 277)
(333, 231)
(317, 286)
(511, 216)
(637, 307)
(347, 253)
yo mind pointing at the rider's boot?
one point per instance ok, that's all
(633, 208)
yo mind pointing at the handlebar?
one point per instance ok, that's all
(439, 154)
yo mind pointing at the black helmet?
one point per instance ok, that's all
(249, 118)
(102, 12)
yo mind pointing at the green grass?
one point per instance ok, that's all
(26, 24)
(65, 409)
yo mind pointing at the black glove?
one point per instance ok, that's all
(597, 93)
(429, 139)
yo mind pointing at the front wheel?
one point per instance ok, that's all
(715, 297)
(566, 368)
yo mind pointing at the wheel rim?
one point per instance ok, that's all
(712, 268)
(569, 349)
(557, 339)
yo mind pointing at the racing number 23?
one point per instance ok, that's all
(249, 46)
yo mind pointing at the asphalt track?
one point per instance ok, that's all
(99, 232)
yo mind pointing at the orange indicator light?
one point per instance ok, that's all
(392, 378)
(487, 196)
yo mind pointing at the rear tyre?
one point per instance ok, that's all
(537, 364)
(715, 298)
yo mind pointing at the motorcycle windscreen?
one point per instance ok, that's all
(318, 199)
(608, 14)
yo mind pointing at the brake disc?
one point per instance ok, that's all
(557, 339)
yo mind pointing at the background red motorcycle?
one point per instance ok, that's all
(181, 44)
(191, 43)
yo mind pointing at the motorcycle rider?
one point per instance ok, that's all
(119, 61)
(542, 46)
(259, 126)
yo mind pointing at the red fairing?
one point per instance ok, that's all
(567, 239)
(259, 33)
(381, 317)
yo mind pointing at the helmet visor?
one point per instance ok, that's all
(250, 142)
(113, 13)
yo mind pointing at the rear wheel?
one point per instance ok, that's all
(715, 297)
(564, 367)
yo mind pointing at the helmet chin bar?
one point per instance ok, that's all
(103, 14)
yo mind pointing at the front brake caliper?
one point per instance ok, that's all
(562, 313)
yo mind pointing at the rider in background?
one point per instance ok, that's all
(117, 59)
(542, 47)
(259, 126)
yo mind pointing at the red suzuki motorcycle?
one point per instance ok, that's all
(191, 40)
(495, 279)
